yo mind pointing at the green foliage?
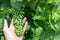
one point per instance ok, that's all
(43, 18)
(1, 23)
(2, 38)
(37, 33)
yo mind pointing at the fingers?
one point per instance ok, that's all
(25, 26)
(24, 20)
(12, 25)
(5, 24)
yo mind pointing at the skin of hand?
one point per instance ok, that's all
(10, 32)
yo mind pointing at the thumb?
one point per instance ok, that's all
(5, 24)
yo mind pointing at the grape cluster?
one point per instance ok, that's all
(18, 21)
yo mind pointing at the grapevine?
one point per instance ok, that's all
(18, 21)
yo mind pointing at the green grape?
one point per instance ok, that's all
(7, 11)
(18, 21)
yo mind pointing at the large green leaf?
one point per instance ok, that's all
(37, 33)
(47, 35)
(17, 4)
(57, 27)
(32, 4)
(57, 37)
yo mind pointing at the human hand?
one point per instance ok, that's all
(10, 32)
